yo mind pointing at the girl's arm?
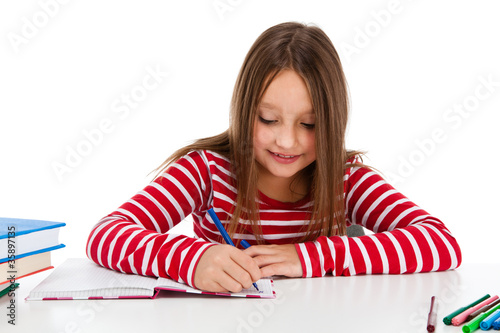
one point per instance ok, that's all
(133, 239)
(407, 239)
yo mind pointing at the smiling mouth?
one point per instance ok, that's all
(284, 156)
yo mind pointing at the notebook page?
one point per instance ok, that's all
(265, 288)
(81, 278)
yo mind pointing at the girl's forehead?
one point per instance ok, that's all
(286, 85)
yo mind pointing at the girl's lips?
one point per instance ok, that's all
(284, 159)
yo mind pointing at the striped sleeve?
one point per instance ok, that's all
(406, 238)
(133, 239)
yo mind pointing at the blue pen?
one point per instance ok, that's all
(225, 235)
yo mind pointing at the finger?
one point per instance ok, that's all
(215, 287)
(247, 264)
(229, 284)
(224, 277)
(279, 269)
(265, 260)
(259, 250)
(210, 274)
(270, 270)
(239, 276)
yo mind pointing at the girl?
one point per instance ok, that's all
(281, 178)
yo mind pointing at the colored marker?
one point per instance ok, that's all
(225, 235)
(245, 244)
(483, 309)
(474, 324)
(496, 324)
(448, 318)
(488, 321)
(432, 318)
(458, 320)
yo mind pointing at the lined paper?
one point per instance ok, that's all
(80, 278)
(265, 288)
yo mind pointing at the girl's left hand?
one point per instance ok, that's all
(276, 259)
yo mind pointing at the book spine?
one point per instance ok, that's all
(22, 255)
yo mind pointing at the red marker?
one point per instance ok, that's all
(431, 320)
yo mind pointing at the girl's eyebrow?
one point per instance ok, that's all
(267, 105)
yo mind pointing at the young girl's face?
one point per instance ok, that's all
(283, 136)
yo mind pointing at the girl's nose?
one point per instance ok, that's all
(286, 137)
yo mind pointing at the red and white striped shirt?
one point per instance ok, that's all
(134, 238)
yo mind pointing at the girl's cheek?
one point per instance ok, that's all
(268, 135)
(264, 135)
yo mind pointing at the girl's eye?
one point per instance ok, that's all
(268, 122)
(265, 121)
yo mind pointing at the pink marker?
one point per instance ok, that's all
(463, 316)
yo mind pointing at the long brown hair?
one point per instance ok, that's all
(308, 51)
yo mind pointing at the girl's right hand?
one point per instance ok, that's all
(224, 268)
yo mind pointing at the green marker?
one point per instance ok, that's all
(448, 318)
(474, 323)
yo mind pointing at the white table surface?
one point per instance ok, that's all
(374, 303)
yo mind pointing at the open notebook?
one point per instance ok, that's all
(80, 278)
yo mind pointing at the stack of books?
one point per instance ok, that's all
(25, 248)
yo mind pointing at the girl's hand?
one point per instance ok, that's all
(276, 259)
(224, 268)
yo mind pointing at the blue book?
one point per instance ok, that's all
(23, 237)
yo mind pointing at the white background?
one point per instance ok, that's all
(65, 68)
